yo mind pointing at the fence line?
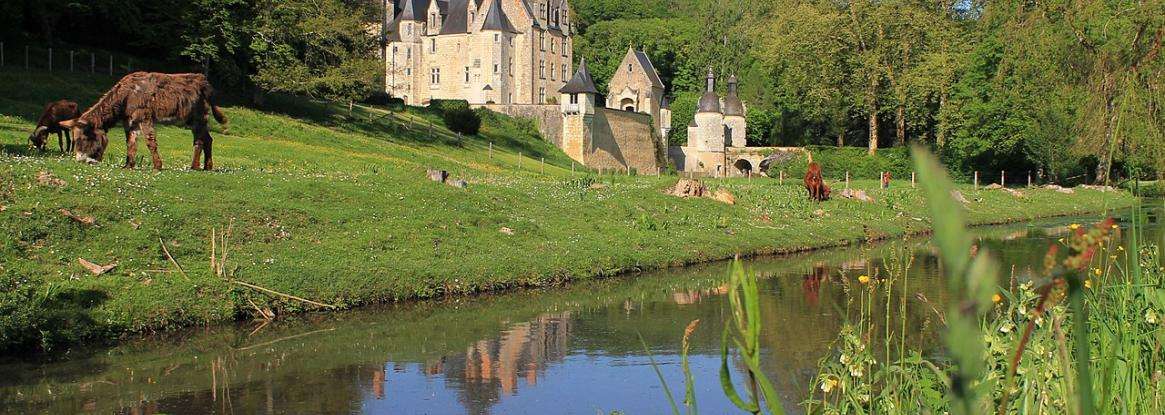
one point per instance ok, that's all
(52, 59)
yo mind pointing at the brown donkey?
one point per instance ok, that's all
(138, 101)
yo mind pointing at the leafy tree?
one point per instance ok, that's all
(214, 30)
(318, 48)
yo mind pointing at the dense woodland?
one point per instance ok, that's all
(1069, 88)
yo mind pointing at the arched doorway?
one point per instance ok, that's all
(627, 104)
(743, 166)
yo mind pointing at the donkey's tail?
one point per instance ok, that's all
(220, 117)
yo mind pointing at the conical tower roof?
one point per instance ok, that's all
(709, 102)
(732, 103)
(581, 83)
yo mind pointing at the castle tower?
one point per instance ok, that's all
(577, 105)
(709, 130)
(734, 116)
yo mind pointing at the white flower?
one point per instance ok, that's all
(1151, 316)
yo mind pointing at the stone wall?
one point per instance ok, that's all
(621, 139)
(547, 117)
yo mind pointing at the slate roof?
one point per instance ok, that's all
(581, 82)
(648, 68)
(457, 20)
(495, 18)
(709, 102)
(732, 103)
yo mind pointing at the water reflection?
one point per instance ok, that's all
(573, 350)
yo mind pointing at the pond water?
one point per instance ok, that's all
(573, 349)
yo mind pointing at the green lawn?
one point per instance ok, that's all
(337, 208)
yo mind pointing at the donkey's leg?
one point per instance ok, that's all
(61, 140)
(131, 145)
(68, 140)
(199, 145)
(152, 142)
(207, 146)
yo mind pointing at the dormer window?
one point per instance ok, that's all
(629, 68)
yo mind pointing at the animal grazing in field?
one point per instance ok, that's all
(50, 122)
(886, 180)
(815, 184)
(138, 101)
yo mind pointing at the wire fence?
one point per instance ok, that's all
(69, 59)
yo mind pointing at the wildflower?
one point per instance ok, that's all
(1151, 316)
(1120, 248)
(996, 298)
(864, 279)
(1114, 226)
(1074, 226)
(828, 385)
(844, 359)
(1088, 283)
(1096, 271)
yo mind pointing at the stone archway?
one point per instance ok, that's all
(743, 166)
(627, 104)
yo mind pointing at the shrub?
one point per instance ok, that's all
(458, 116)
(835, 161)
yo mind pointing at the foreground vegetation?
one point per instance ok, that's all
(311, 202)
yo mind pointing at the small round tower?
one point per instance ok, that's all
(709, 120)
(734, 118)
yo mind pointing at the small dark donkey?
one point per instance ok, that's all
(138, 101)
(49, 123)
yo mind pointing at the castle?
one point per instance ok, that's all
(482, 51)
(514, 57)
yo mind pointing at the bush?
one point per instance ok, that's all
(457, 115)
(835, 161)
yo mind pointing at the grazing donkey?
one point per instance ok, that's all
(815, 184)
(49, 123)
(138, 101)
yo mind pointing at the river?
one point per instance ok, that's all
(570, 349)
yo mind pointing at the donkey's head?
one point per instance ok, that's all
(38, 138)
(89, 140)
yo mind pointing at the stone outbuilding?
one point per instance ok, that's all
(636, 87)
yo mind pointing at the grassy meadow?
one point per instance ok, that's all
(312, 201)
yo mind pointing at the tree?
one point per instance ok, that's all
(214, 30)
(319, 48)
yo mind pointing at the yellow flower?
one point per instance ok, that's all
(1096, 271)
(1074, 226)
(864, 279)
(1114, 226)
(828, 385)
(996, 298)
(1120, 248)
(1087, 283)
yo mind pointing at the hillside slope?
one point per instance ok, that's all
(337, 209)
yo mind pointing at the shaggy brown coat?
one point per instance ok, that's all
(815, 184)
(138, 101)
(50, 122)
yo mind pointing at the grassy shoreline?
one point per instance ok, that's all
(337, 209)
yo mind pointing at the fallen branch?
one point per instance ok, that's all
(270, 291)
(94, 268)
(172, 260)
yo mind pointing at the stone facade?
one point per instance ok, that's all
(605, 138)
(716, 136)
(636, 87)
(482, 51)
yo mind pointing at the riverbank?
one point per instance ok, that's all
(337, 209)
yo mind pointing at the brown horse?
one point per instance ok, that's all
(815, 184)
(138, 101)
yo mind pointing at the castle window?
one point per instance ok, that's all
(432, 21)
(497, 68)
(565, 45)
(467, 74)
(408, 71)
(542, 69)
(574, 98)
(542, 41)
(629, 67)
(471, 16)
(551, 71)
(435, 76)
(409, 54)
(553, 45)
(432, 45)
(511, 67)
(564, 70)
(409, 29)
(497, 38)
(541, 95)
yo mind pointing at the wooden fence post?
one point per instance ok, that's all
(1003, 178)
(491, 150)
(782, 181)
(572, 167)
(1029, 178)
(911, 179)
(544, 165)
(976, 180)
(847, 179)
(519, 160)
